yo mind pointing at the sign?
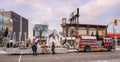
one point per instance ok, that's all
(74, 13)
(88, 37)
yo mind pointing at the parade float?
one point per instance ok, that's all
(24, 47)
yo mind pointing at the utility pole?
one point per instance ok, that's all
(20, 33)
(116, 22)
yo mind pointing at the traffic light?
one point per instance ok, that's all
(8, 29)
(8, 21)
(8, 25)
(116, 22)
(103, 32)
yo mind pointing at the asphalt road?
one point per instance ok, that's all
(68, 57)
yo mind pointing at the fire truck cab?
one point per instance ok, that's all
(90, 43)
(108, 43)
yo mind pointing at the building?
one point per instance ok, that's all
(74, 28)
(20, 24)
(38, 28)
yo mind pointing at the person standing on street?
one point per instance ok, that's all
(34, 49)
(53, 48)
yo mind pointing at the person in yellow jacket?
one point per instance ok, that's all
(44, 48)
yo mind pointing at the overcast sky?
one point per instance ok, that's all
(52, 11)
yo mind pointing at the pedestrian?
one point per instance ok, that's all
(34, 47)
(53, 48)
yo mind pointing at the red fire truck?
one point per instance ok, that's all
(90, 43)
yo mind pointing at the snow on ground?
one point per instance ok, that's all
(3, 52)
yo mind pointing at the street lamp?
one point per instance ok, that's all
(2, 10)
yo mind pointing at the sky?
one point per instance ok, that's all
(51, 12)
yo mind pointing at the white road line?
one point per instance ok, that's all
(57, 58)
(19, 58)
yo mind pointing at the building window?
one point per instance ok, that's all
(92, 30)
(82, 32)
(100, 32)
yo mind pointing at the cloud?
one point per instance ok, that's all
(13, 3)
(95, 8)
(46, 10)
(52, 12)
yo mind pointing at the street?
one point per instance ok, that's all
(66, 57)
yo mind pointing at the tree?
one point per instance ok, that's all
(40, 30)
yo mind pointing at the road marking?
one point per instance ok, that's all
(19, 58)
(57, 58)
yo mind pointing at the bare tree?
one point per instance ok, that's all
(40, 30)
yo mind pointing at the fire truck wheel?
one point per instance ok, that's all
(109, 48)
(87, 49)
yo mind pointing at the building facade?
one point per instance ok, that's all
(75, 29)
(20, 24)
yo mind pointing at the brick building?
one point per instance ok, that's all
(74, 28)
(81, 29)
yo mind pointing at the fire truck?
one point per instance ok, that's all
(90, 43)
